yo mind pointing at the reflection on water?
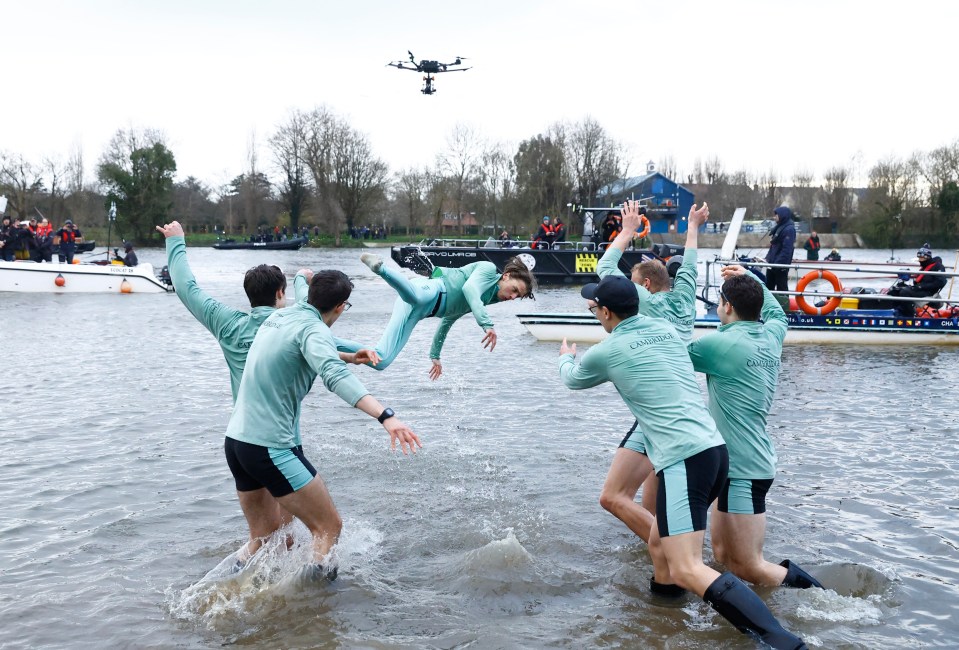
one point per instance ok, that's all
(119, 518)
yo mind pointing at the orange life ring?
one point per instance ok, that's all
(834, 302)
(645, 231)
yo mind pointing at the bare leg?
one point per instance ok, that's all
(650, 488)
(264, 516)
(684, 555)
(626, 473)
(313, 505)
(738, 544)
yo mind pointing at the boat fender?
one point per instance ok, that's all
(126, 287)
(833, 302)
(60, 281)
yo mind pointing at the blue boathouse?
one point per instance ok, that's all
(667, 202)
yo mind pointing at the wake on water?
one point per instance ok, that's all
(234, 595)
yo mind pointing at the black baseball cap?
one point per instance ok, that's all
(615, 292)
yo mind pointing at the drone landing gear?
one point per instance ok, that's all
(428, 85)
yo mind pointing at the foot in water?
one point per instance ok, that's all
(372, 260)
(318, 572)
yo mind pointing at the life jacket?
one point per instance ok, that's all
(545, 230)
(44, 231)
(814, 245)
(68, 236)
(926, 267)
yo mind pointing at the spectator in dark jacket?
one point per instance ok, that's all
(812, 246)
(7, 235)
(782, 242)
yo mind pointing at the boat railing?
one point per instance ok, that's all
(812, 293)
(861, 267)
(513, 243)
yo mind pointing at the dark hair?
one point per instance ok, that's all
(516, 268)
(328, 289)
(745, 295)
(656, 272)
(261, 284)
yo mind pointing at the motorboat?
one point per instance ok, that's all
(46, 277)
(294, 244)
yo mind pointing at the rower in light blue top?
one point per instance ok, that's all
(631, 468)
(454, 294)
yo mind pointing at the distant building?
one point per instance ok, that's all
(667, 202)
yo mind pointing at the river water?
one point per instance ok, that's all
(118, 513)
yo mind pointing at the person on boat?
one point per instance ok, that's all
(812, 246)
(631, 468)
(782, 243)
(234, 329)
(611, 227)
(129, 257)
(67, 239)
(43, 234)
(504, 241)
(263, 445)
(544, 235)
(833, 256)
(8, 237)
(455, 293)
(921, 285)
(741, 361)
(559, 230)
(647, 362)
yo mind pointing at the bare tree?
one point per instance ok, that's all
(411, 187)
(23, 181)
(770, 192)
(57, 173)
(348, 178)
(592, 157)
(289, 156)
(804, 194)
(667, 167)
(836, 191)
(498, 181)
(460, 163)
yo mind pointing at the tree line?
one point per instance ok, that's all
(324, 173)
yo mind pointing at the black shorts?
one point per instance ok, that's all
(687, 489)
(744, 496)
(281, 471)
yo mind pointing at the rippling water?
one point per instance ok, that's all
(118, 513)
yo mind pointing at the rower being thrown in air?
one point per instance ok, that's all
(456, 293)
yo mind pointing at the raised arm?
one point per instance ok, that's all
(214, 315)
(591, 371)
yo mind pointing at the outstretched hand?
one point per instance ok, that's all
(698, 216)
(632, 219)
(363, 356)
(400, 432)
(565, 348)
(306, 273)
(489, 339)
(172, 229)
(436, 370)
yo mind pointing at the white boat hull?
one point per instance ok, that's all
(586, 329)
(32, 277)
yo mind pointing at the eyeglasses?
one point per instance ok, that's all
(723, 295)
(346, 305)
(593, 309)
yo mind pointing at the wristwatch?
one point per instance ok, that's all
(385, 415)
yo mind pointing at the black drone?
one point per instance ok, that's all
(430, 68)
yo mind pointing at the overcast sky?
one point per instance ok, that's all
(762, 84)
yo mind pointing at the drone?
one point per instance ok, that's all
(430, 68)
